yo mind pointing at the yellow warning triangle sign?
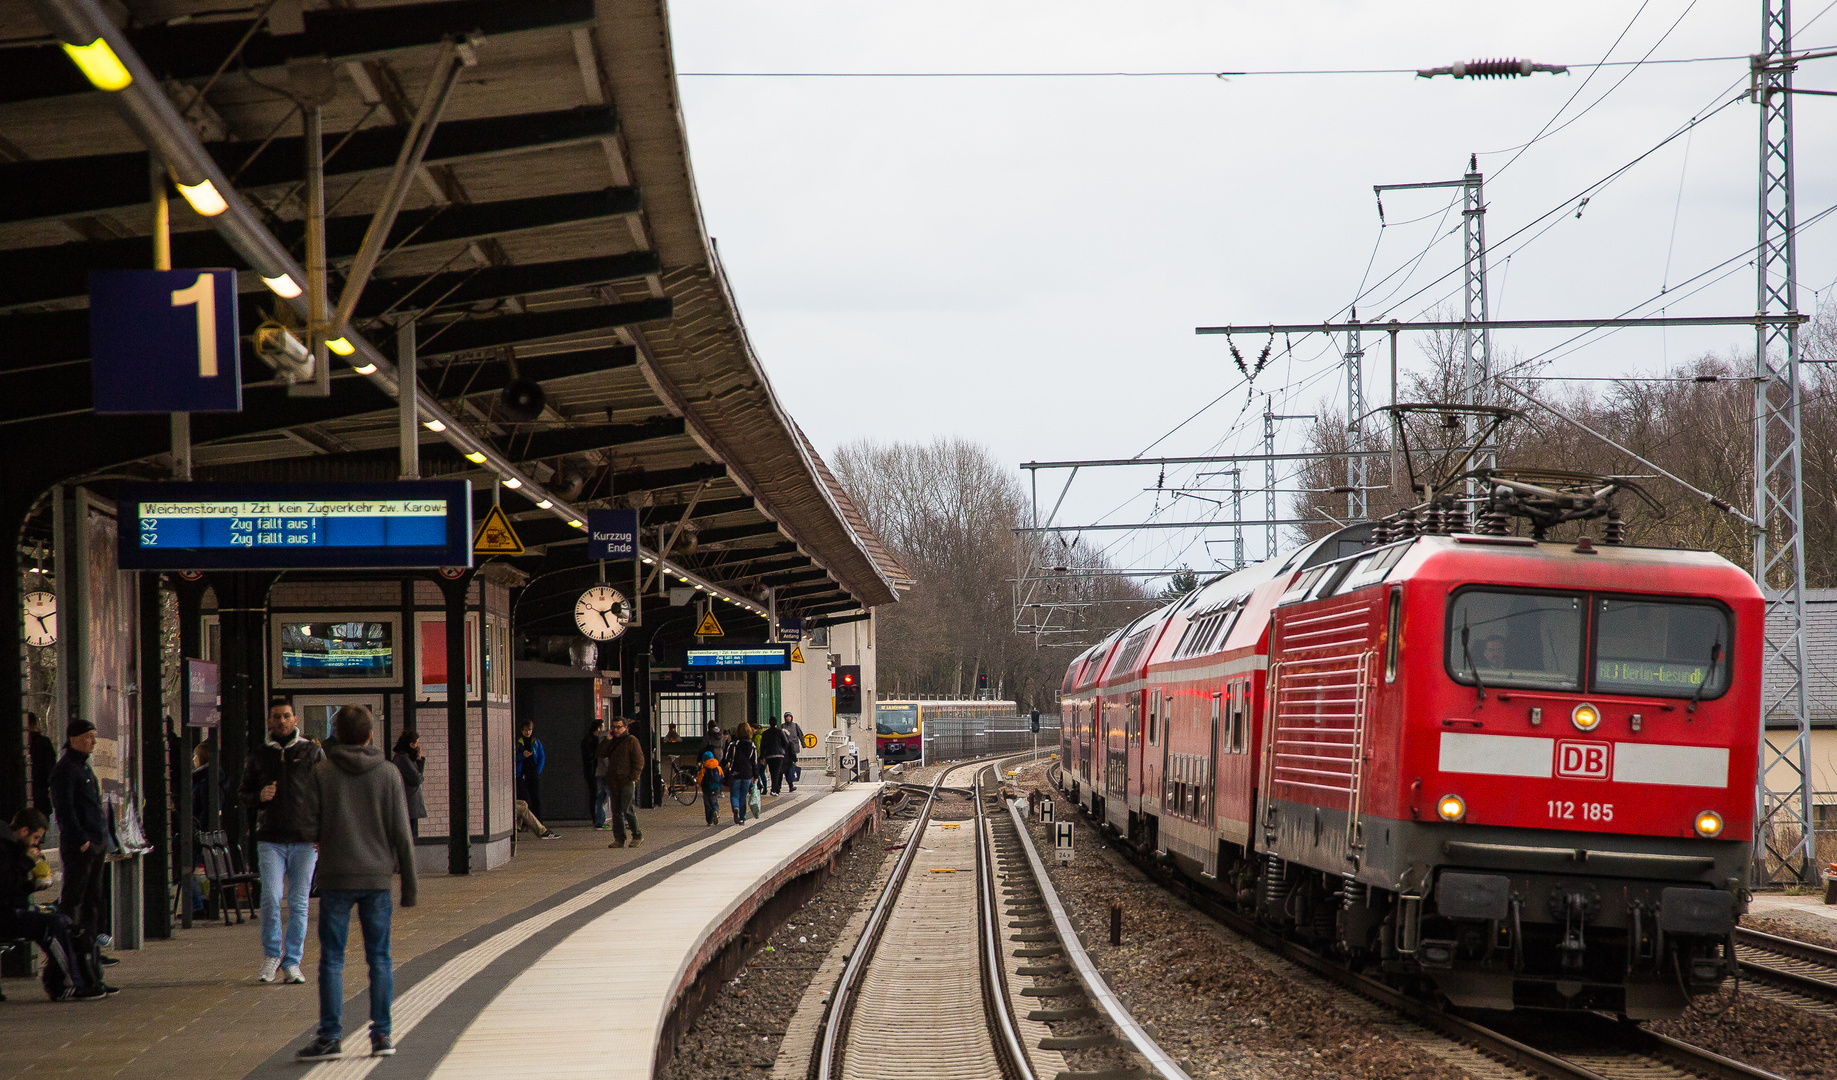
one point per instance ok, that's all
(797, 654)
(710, 626)
(495, 536)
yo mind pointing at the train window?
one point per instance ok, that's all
(1519, 639)
(1661, 649)
(1240, 716)
(1393, 635)
(1154, 716)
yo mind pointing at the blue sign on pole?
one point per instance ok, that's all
(165, 341)
(612, 534)
(741, 657)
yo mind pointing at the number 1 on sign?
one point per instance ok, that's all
(204, 295)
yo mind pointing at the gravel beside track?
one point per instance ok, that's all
(1761, 1033)
(739, 1034)
(1217, 1001)
(1813, 928)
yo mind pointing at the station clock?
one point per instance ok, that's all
(602, 613)
(40, 618)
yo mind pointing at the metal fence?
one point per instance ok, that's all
(953, 739)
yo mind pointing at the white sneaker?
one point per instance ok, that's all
(291, 973)
(270, 965)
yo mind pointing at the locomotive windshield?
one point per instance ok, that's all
(1533, 641)
(1664, 650)
(896, 719)
(1525, 640)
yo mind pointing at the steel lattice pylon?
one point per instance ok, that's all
(1476, 346)
(1356, 504)
(1784, 792)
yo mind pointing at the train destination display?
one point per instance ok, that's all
(294, 526)
(742, 658)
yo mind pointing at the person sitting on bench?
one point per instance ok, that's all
(23, 872)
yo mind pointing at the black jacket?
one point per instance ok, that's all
(76, 796)
(286, 767)
(15, 874)
(43, 754)
(741, 762)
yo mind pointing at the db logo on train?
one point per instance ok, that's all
(1588, 760)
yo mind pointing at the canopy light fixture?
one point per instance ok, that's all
(512, 483)
(475, 457)
(284, 286)
(365, 369)
(433, 425)
(99, 64)
(544, 504)
(577, 523)
(340, 345)
(204, 198)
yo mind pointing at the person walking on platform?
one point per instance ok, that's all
(773, 746)
(741, 764)
(624, 757)
(593, 771)
(793, 771)
(82, 836)
(709, 779)
(23, 872)
(530, 760)
(41, 752)
(409, 761)
(356, 810)
(274, 786)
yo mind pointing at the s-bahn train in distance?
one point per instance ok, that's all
(899, 724)
(1520, 771)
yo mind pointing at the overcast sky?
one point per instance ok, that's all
(1022, 261)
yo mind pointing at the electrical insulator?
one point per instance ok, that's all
(1490, 69)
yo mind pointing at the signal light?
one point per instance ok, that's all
(847, 683)
(1451, 807)
(1709, 824)
(1585, 717)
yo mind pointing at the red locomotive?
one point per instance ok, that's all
(1520, 771)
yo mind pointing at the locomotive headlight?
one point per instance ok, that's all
(1585, 717)
(1451, 807)
(1709, 824)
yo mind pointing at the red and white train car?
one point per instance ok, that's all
(1520, 771)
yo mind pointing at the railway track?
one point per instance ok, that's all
(1792, 972)
(971, 895)
(1568, 1046)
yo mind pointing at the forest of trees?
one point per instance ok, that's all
(947, 509)
(1694, 420)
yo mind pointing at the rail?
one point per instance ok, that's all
(1000, 1004)
(1094, 985)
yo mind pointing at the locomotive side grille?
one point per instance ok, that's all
(1318, 728)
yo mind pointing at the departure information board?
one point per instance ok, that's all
(407, 523)
(741, 657)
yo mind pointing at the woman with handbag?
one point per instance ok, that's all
(741, 764)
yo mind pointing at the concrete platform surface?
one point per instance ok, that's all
(496, 974)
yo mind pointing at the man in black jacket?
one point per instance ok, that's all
(274, 786)
(65, 978)
(82, 830)
(594, 773)
(774, 744)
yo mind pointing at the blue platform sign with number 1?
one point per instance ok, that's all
(165, 341)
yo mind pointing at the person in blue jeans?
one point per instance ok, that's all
(357, 812)
(741, 763)
(274, 786)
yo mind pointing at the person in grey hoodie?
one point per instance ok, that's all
(358, 815)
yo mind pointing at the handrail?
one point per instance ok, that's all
(995, 972)
(1094, 985)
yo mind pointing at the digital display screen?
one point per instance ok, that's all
(281, 526)
(330, 650)
(744, 658)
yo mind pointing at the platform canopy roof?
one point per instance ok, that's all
(551, 234)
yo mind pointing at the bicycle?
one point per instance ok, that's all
(682, 784)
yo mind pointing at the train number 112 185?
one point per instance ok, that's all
(1590, 811)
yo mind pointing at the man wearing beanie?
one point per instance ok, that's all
(356, 811)
(82, 833)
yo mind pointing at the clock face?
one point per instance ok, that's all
(40, 618)
(602, 613)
